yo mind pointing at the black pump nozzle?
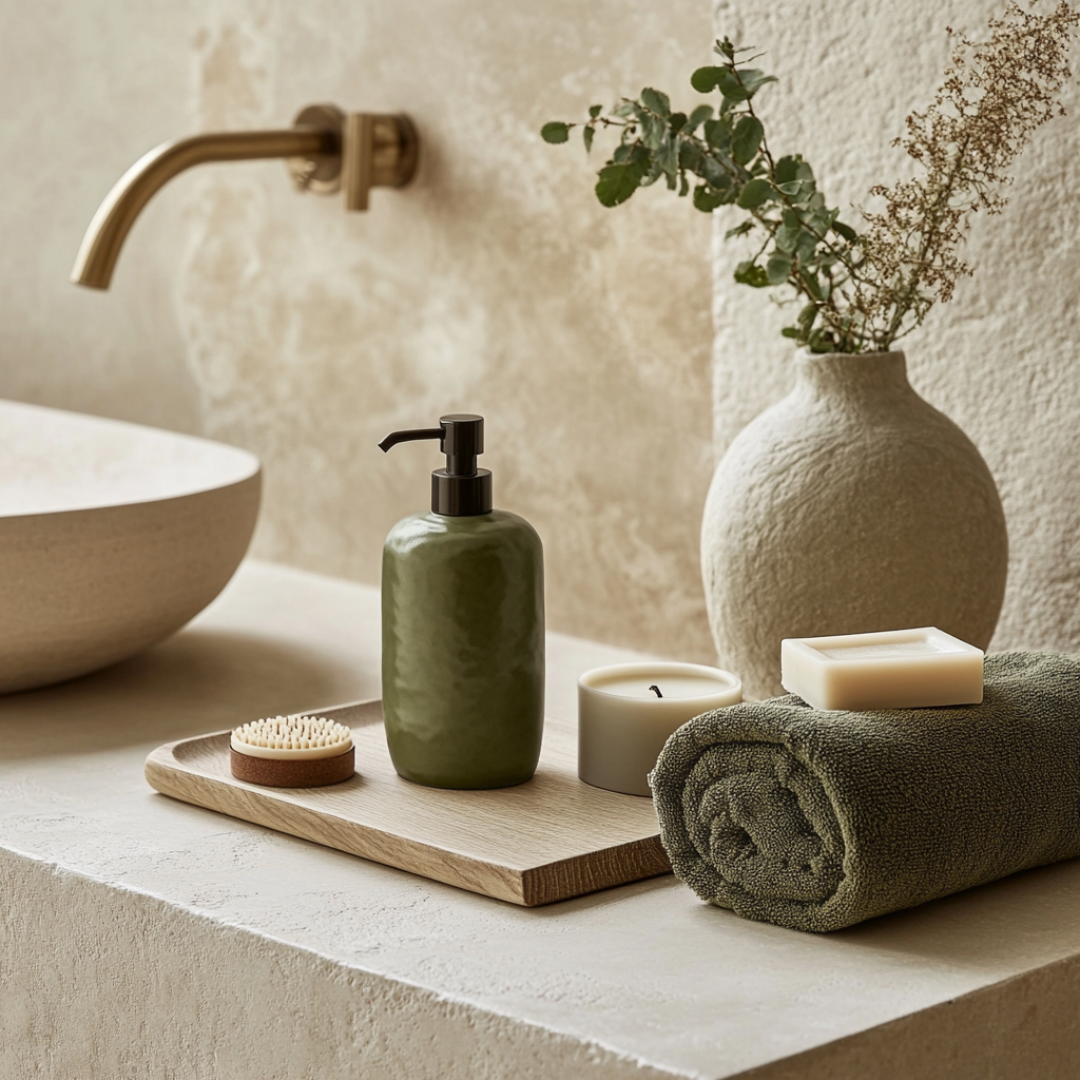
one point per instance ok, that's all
(461, 489)
(409, 436)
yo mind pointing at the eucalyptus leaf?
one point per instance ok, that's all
(654, 173)
(588, 133)
(785, 170)
(707, 79)
(778, 268)
(741, 229)
(656, 101)
(619, 181)
(595, 111)
(691, 156)
(733, 90)
(706, 200)
(668, 157)
(754, 193)
(749, 273)
(745, 85)
(555, 131)
(684, 185)
(715, 173)
(755, 80)
(786, 238)
(846, 231)
(653, 131)
(806, 246)
(718, 133)
(699, 116)
(746, 138)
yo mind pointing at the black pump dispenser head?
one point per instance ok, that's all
(461, 489)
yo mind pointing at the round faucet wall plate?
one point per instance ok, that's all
(318, 173)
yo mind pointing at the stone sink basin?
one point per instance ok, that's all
(112, 536)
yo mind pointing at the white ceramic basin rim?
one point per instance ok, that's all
(53, 461)
(112, 536)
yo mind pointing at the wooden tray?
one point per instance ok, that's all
(549, 839)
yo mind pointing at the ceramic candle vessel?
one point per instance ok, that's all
(626, 712)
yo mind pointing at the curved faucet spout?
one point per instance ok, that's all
(101, 245)
(327, 151)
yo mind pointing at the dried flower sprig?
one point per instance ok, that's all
(863, 291)
(995, 95)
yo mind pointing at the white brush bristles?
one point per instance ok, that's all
(292, 737)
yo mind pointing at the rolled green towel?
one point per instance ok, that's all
(816, 820)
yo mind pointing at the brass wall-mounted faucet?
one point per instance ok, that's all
(327, 150)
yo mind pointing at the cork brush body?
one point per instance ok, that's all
(292, 751)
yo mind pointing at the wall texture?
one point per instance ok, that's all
(496, 283)
(998, 359)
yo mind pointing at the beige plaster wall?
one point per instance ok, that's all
(495, 284)
(1000, 359)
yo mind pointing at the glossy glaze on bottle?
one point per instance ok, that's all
(463, 629)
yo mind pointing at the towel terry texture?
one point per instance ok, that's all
(816, 820)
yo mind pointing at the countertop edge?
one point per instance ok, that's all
(182, 946)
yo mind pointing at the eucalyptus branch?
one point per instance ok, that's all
(860, 291)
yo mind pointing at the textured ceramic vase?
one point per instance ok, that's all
(850, 506)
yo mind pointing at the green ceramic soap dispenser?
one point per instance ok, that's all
(462, 627)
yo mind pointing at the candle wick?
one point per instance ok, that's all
(657, 690)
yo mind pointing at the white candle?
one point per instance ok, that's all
(623, 722)
(899, 669)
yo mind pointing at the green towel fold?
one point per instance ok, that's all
(817, 820)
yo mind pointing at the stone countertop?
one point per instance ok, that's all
(140, 936)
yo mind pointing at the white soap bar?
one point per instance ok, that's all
(898, 669)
